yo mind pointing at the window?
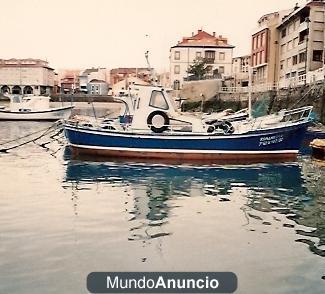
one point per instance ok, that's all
(198, 54)
(262, 57)
(262, 39)
(303, 35)
(176, 69)
(283, 32)
(221, 69)
(221, 55)
(177, 55)
(295, 42)
(289, 45)
(158, 100)
(302, 57)
(176, 85)
(209, 56)
(209, 69)
(317, 55)
(257, 41)
(281, 65)
(294, 59)
(288, 62)
(258, 58)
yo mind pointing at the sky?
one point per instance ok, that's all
(116, 33)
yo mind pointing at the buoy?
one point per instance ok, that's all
(318, 148)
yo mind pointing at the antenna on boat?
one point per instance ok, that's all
(152, 76)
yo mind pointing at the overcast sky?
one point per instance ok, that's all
(116, 33)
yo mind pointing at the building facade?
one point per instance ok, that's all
(122, 73)
(97, 87)
(26, 76)
(264, 46)
(69, 81)
(301, 41)
(214, 49)
(240, 66)
(92, 74)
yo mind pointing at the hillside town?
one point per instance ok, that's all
(287, 50)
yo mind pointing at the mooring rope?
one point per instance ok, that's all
(46, 131)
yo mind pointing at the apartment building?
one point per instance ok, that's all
(264, 54)
(214, 49)
(301, 41)
(240, 67)
(26, 76)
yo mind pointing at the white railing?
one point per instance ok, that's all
(256, 88)
(309, 78)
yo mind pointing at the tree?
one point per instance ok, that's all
(199, 68)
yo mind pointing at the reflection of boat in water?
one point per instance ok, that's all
(262, 175)
(277, 188)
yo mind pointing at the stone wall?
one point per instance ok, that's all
(193, 90)
(273, 100)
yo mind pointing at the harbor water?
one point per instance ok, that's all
(63, 217)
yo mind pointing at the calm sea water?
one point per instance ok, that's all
(62, 218)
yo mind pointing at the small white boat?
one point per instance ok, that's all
(33, 108)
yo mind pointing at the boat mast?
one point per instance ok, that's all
(250, 70)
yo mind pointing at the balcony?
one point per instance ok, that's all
(302, 46)
(303, 26)
(209, 60)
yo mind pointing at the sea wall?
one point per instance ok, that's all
(194, 90)
(266, 102)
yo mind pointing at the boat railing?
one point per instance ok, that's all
(298, 114)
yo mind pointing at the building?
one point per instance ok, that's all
(123, 85)
(214, 49)
(240, 67)
(264, 54)
(26, 76)
(120, 74)
(97, 87)
(301, 42)
(69, 81)
(92, 74)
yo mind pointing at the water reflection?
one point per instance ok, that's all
(154, 190)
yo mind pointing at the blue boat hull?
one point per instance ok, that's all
(276, 143)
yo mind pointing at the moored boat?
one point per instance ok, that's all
(33, 108)
(153, 128)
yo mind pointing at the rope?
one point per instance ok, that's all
(305, 95)
(45, 132)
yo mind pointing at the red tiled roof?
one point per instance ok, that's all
(204, 38)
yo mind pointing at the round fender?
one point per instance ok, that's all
(228, 127)
(154, 115)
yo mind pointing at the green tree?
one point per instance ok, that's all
(199, 68)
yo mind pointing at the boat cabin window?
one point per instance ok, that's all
(158, 100)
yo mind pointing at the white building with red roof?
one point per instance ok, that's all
(214, 49)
